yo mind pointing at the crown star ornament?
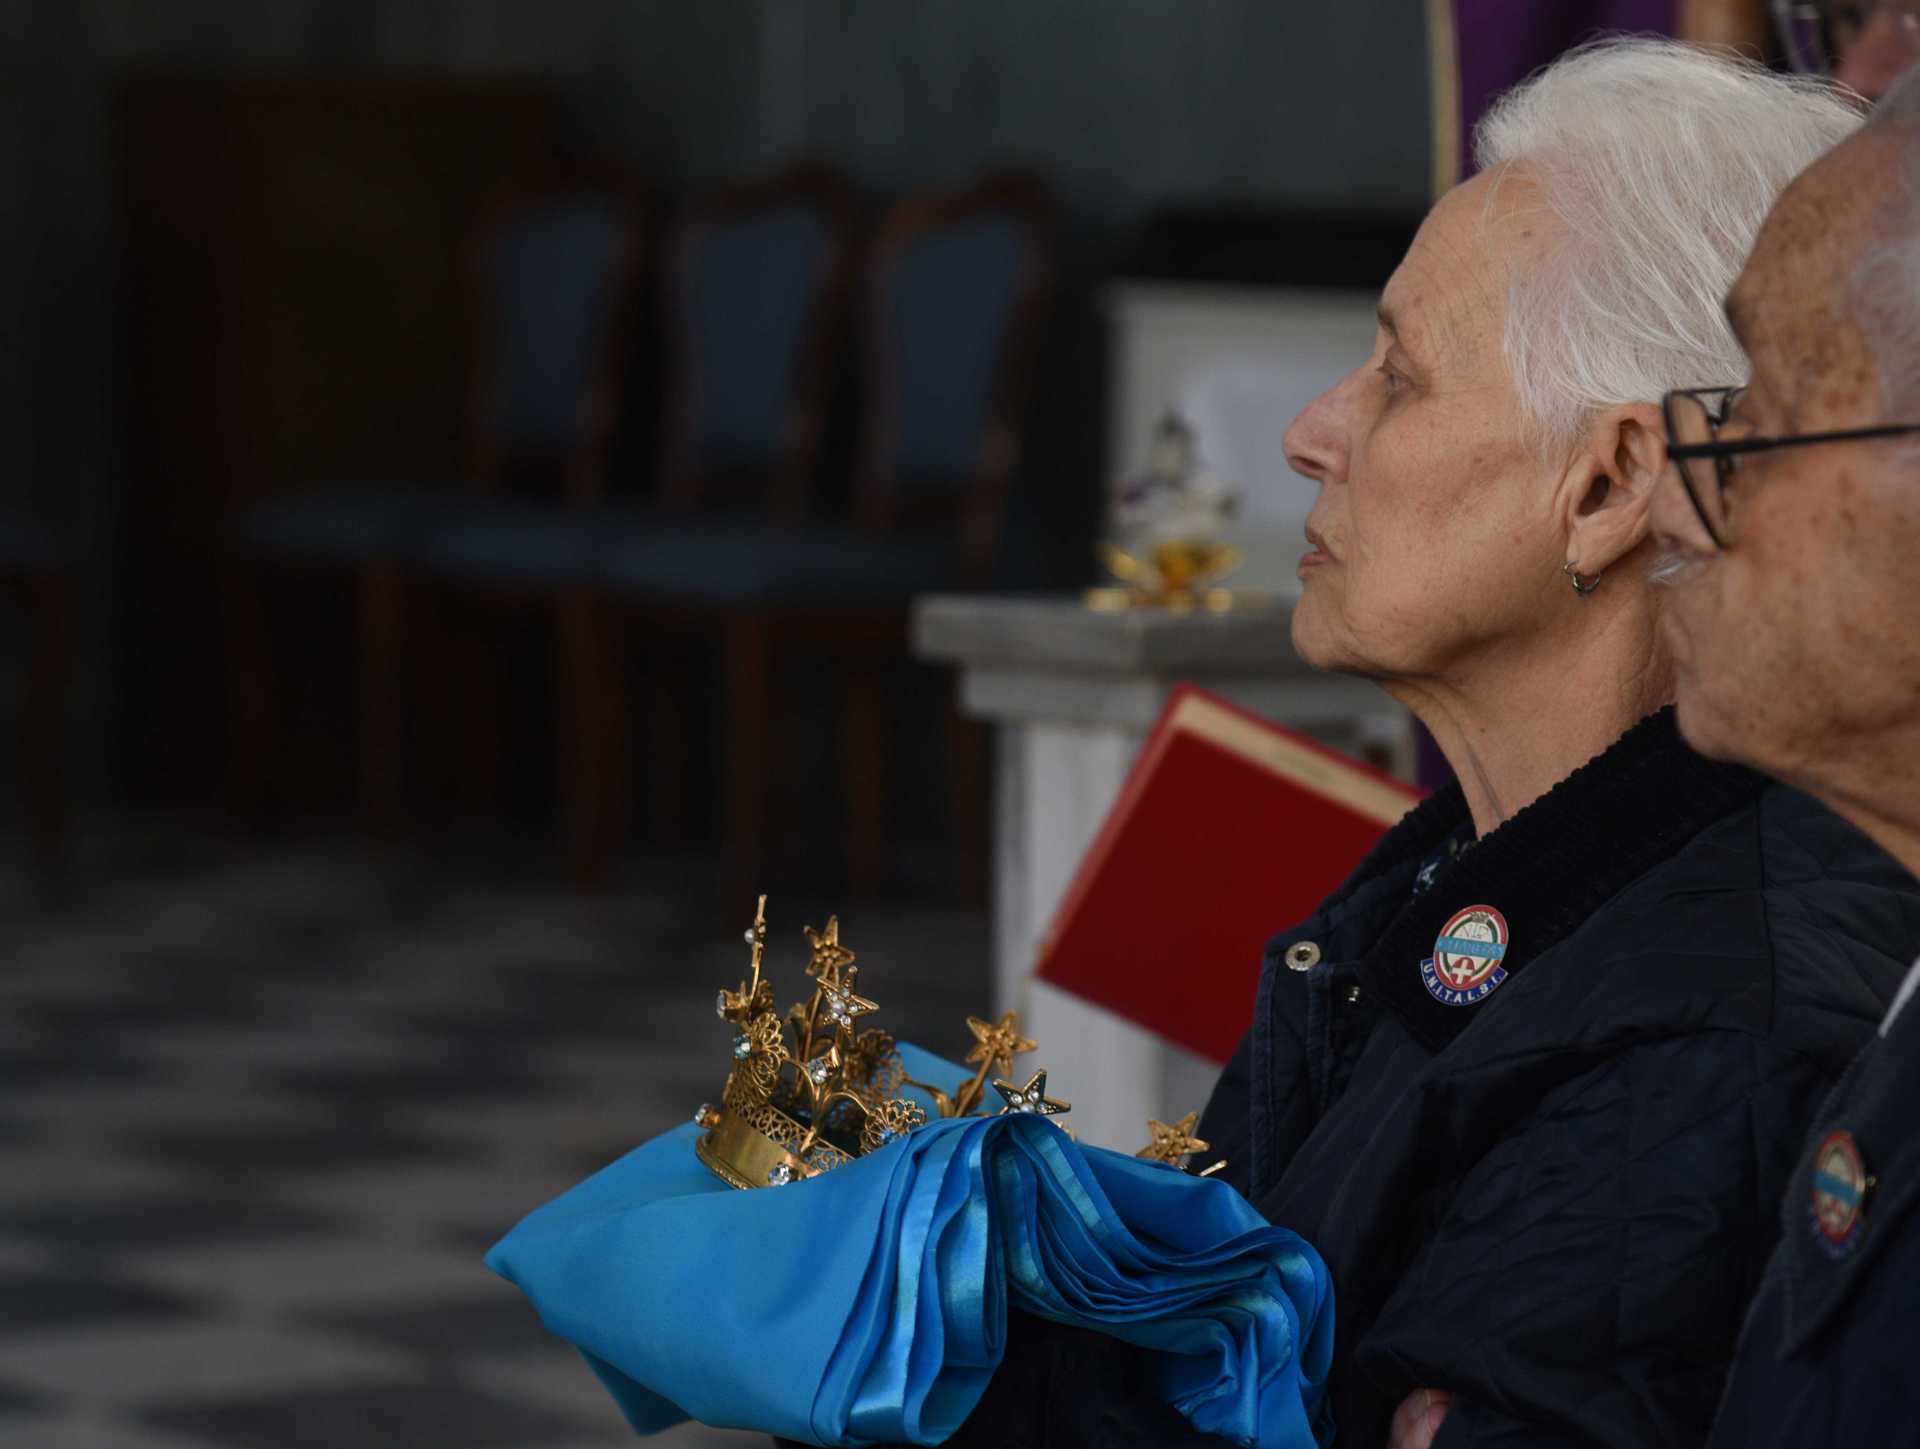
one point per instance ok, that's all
(1172, 1144)
(828, 955)
(1031, 1097)
(997, 1043)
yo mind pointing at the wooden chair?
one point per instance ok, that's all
(950, 298)
(752, 278)
(553, 280)
(31, 574)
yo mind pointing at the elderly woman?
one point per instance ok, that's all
(1531, 1079)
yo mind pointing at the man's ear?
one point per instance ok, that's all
(1606, 494)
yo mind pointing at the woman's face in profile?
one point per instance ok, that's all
(1433, 538)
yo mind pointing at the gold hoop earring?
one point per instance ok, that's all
(1581, 586)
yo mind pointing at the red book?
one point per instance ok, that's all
(1228, 829)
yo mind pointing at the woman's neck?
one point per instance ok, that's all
(1517, 721)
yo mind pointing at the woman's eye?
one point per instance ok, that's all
(1394, 381)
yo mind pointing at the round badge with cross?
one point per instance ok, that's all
(1466, 964)
(1840, 1184)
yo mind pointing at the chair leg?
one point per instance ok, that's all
(590, 735)
(43, 722)
(866, 740)
(381, 603)
(970, 785)
(475, 709)
(669, 754)
(613, 729)
(433, 667)
(749, 701)
(250, 693)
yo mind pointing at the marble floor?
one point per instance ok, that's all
(263, 1108)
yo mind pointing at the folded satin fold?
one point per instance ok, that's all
(869, 1305)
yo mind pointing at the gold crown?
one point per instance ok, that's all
(813, 1090)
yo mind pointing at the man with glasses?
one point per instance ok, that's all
(1791, 522)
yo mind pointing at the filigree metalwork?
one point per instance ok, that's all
(811, 1089)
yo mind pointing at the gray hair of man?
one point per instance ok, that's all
(1884, 285)
(1659, 161)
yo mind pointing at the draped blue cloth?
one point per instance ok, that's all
(868, 1305)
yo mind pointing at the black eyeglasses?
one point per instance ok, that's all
(1695, 416)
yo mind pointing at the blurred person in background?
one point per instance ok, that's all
(1793, 519)
(1482, 48)
(1866, 45)
(1532, 1077)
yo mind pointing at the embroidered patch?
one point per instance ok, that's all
(1839, 1188)
(1465, 964)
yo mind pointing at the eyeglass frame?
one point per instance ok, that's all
(1721, 450)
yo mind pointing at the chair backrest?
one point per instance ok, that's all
(954, 293)
(752, 308)
(556, 281)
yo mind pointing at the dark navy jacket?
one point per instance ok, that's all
(1557, 1202)
(1831, 1352)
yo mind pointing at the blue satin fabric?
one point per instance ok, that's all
(869, 1305)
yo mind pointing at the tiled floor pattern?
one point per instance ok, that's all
(262, 1110)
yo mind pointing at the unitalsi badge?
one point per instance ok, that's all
(1840, 1185)
(1466, 964)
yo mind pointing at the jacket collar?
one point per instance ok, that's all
(1547, 869)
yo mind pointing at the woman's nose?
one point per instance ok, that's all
(1316, 441)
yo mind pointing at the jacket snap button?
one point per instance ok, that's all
(1353, 995)
(1303, 956)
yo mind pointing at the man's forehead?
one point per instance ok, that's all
(1798, 267)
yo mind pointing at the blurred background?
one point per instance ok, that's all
(466, 470)
(239, 260)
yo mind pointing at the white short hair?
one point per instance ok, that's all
(1660, 161)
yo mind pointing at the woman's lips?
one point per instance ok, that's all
(1320, 553)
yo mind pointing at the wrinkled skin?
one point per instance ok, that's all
(1441, 525)
(1797, 649)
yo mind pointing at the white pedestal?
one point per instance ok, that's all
(1073, 694)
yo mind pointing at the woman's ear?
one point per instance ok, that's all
(1607, 492)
